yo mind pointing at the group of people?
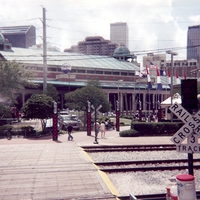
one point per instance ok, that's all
(102, 127)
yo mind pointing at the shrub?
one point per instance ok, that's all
(129, 133)
(151, 129)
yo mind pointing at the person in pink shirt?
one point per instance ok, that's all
(103, 129)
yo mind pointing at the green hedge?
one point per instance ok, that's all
(151, 129)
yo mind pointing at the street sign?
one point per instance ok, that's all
(192, 145)
(97, 110)
(180, 112)
(192, 124)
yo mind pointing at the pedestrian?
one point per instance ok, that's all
(96, 128)
(103, 129)
(69, 129)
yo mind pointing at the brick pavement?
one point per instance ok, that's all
(42, 169)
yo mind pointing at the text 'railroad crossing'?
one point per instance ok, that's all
(191, 130)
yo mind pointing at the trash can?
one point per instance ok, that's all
(186, 187)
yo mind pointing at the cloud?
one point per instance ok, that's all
(195, 19)
(153, 24)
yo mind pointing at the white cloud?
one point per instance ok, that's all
(195, 19)
(153, 24)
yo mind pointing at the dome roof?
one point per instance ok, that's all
(2, 39)
(121, 51)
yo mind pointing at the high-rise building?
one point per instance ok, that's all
(19, 36)
(119, 33)
(193, 43)
(94, 45)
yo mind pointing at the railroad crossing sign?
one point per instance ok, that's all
(97, 110)
(191, 130)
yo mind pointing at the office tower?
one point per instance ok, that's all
(119, 33)
(20, 36)
(193, 43)
(94, 45)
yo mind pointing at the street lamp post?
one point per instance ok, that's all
(120, 96)
(171, 85)
(118, 88)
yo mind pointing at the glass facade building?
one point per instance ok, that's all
(119, 33)
(193, 43)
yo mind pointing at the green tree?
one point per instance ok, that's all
(91, 92)
(52, 92)
(38, 106)
(13, 78)
(5, 111)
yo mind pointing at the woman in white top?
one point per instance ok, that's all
(102, 129)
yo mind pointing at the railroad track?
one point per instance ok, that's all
(152, 197)
(112, 148)
(149, 165)
(140, 166)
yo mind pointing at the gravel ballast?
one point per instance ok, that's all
(141, 183)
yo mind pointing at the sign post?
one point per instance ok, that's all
(189, 131)
(88, 118)
(55, 121)
(117, 116)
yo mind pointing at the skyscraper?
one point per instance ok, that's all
(119, 33)
(193, 43)
(20, 36)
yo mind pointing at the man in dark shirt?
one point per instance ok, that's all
(69, 129)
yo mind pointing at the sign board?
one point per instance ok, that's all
(191, 130)
(192, 123)
(97, 110)
(192, 145)
(180, 112)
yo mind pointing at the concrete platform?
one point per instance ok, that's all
(42, 169)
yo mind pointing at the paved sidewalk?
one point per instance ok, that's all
(42, 169)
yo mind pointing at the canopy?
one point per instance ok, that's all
(176, 98)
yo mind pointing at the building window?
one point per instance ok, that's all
(73, 71)
(131, 74)
(168, 64)
(51, 69)
(90, 71)
(81, 71)
(115, 73)
(124, 73)
(107, 72)
(99, 72)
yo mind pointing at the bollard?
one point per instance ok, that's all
(186, 187)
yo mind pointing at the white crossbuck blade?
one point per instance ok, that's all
(191, 130)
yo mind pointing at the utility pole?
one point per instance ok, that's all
(44, 51)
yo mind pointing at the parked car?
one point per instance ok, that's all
(49, 124)
(65, 120)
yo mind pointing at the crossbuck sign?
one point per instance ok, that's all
(97, 110)
(191, 130)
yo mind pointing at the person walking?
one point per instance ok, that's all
(103, 129)
(96, 128)
(69, 129)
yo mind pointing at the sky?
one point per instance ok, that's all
(154, 25)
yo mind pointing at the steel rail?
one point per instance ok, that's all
(146, 165)
(143, 169)
(144, 162)
(113, 148)
(161, 196)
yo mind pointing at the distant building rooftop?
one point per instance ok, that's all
(14, 29)
(31, 56)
